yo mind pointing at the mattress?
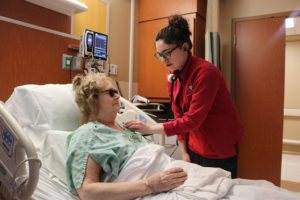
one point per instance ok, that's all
(50, 187)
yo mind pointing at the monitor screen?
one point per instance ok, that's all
(100, 46)
(89, 40)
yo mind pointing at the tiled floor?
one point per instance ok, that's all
(290, 170)
(173, 151)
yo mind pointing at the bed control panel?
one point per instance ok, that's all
(6, 141)
(7, 161)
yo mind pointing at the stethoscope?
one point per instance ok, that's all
(172, 78)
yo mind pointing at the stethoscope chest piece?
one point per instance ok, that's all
(172, 78)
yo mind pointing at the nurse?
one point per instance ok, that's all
(206, 121)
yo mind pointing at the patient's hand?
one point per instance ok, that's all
(166, 180)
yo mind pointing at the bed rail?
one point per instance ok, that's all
(131, 112)
(15, 150)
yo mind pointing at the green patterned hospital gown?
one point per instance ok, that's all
(108, 147)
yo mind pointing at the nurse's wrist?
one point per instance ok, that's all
(157, 128)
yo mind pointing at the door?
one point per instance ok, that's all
(259, 95)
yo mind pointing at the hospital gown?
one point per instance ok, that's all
(108, 147)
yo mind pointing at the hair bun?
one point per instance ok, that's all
(179, 23)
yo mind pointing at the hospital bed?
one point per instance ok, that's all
(34, 124)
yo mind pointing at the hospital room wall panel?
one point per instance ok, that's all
(152, 72)
(156, 9)
(33, 14)
(94, 19)
(31, 57)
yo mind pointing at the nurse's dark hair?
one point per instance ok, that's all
(177, 32)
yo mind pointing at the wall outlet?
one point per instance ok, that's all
(113, 69)
(66, 61)
(76, 63)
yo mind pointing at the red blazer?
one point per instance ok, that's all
(204, 111)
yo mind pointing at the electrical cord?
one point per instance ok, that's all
(172, 86)
(23, 182)
(174, 150)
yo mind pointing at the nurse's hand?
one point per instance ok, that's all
(139, 126)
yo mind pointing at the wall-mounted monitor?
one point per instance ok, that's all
(100, 46)
(93, 44)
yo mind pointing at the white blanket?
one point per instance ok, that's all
(203, 183)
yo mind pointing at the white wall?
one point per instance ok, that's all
(119, 42)
(291, 127)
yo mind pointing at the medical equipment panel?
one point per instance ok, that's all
(8, 143)
(93, 45)
(14, 144)
(100, 46)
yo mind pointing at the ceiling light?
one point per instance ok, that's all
(289, 23)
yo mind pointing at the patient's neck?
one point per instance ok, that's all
(111, 124)
(108, 121)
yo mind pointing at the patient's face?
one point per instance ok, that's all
(109, 99)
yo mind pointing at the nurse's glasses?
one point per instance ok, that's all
(165, 55)
(111, 92)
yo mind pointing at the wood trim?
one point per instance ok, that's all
(34, 14)
(28, 25)
(293, 13)
(34, 39)
(31, 56)
(292, 38)
(291, 112)
(290, 185)
(157, 9)
(151, 73)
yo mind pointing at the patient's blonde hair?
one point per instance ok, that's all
(86, 90)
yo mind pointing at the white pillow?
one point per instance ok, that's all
(53, 154)
(47, 114)
(46, 107)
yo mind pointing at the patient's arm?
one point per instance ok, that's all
(91, 188)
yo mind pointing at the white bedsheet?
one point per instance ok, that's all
(202, 183)
(51, 188)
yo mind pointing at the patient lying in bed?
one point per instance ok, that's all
(48, 121)
(100, 148)
(107, 161)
